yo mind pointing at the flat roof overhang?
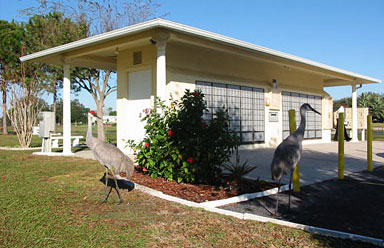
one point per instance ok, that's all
(100, 51)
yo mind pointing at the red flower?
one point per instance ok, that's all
(170, 133)
(146, 111)
(190, 160)
(146, 145)
(205, 125)
(195, 93)
(144, 169)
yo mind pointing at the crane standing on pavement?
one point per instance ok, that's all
(288, 153)
(119, 166)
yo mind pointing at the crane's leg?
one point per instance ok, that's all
(117, 189)
(277, 198)
(106, 186)
(106, 197)
(289, 193)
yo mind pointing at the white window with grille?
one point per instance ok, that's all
(245, 107)
(292, 100)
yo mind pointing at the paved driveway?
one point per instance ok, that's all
(319, 161)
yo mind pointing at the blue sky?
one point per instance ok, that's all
(346, 34)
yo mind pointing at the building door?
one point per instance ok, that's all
(139, 99)
(292, 100)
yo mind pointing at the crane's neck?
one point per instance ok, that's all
(89, 132)
(300, 131)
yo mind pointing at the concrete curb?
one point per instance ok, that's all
(244, 197)
(209, 206)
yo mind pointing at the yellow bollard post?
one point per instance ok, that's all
(341, 145)
(369, 142)
(296, 172)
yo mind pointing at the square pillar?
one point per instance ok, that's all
(161, 69)
(354, 114)
(67, 111)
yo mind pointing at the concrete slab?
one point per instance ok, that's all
(319, 161)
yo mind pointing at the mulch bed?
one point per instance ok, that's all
(200, 192)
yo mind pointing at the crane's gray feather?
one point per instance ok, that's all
(109, 155)
(285, 158)
(288, 153)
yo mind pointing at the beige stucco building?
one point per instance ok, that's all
(160, 58)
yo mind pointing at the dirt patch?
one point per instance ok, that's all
(200, 192)
(353, 205)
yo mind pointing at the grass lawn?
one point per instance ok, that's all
(77, 130)
(55, 202)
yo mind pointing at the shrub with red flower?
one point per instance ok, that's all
(170, 133)
(184, 146)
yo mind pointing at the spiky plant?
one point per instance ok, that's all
(237, 170)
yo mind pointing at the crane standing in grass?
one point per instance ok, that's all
(116, 163)
(288, 153)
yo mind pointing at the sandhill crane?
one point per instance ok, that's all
(288, 153)
(115, 162)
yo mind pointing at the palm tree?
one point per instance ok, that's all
(374, 102)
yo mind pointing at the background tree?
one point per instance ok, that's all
(25, 98)
(101, 16)
(373, 101)
(340, 102)
(11, 34)
(79, 112)
(50, 30)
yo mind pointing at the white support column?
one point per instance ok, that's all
(354, 114)
(161, 69)
(67, 111)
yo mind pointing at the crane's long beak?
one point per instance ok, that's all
(314, 110)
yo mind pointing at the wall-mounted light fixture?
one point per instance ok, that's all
(274, 83)
(117, 51)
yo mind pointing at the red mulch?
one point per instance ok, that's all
(200, 192)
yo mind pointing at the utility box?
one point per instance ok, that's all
(46, 127)
(47, 123)
(273, 116)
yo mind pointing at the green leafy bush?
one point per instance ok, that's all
(180, 145)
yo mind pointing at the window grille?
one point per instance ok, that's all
(245, 107)
(292, 100)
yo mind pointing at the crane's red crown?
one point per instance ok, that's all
(92, 112)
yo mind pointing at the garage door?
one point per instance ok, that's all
(292, 100)
(245, 107)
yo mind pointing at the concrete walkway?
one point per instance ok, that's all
(319, 161)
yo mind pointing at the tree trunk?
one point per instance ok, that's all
(5, 130)
(100, 125)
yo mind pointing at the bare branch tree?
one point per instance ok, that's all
(24, 107)
(24, 101)
(101, 16)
